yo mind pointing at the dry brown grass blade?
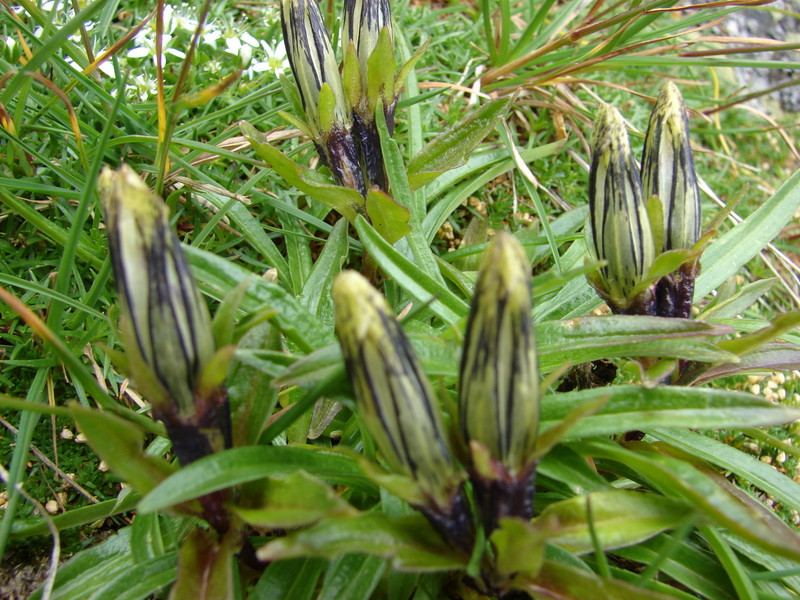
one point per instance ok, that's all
(119, 44)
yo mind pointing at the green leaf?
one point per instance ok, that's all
(689, 564)
(629, 407)
(146, 540)
(293, 579)
(90, 569)
(451, 148)
(240, 216)
(408, 542)
(217, 276)
(225, 317)
(747, 343)
(723, 258)
(423, 288)
(313, 367)
(705, 491)
(738, 303)
(119, 443)
(620, 518)
(389, 218)
(352, 576)
(345, 201)
(290, 501)
(778, 356)
(139, 582)
(239, 465)
(519, 546)
(584, 339)
(316, 294)
(205, 567)
(558, 580)
(251, 395)
(755, 472)
(126, 501)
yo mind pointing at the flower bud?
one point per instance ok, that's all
(316, 72)
(499, 389)
(619, 221)
(312, 60)
(499, 393)
(362, 24)
(668, 170)
(165, 322)
(394, 397)
(369, 78)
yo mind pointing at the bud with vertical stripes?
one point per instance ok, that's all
(369, 77)
(668, 170)
(396, 402)
(499, 382)
(668, 173)
(619, 222)
(165, 323)
(316, 73)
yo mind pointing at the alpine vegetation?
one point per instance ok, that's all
(499, 384)
(165, 323)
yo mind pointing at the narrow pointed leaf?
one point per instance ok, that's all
(620, 518)
(451, 148)
(347, 202)
(408, 542)
(240, 465)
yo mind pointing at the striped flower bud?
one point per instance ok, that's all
(619, 222)
(499, 394)
(369, 78)
(668, 170)
(362, 24)
(312, 59)
(164, 318)
(499, 389)
(394, 397)
(316, 72)
(166, 326)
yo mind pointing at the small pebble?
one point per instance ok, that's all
(51, 507)
(755, 389)
(782, 394)
(66, 434)
(766, 459)
(781, 457)
(754, 378)
(81, 438)
(103, 466)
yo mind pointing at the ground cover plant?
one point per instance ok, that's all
(331, 319)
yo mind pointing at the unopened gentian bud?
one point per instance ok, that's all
(165, 322)
(620, 226)
(499, 382)
(362, 24)
(668, 170)
(668, 173)
(316, 73)
(396, 401)
(369, 72)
